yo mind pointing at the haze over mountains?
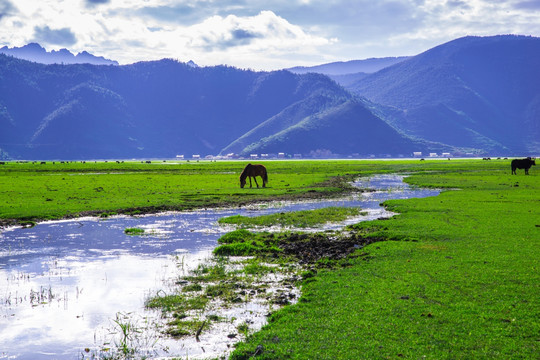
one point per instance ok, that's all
(472, 95)
(348, 72)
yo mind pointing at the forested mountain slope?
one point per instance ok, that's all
(480, 92)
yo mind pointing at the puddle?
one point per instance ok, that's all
(62, 283)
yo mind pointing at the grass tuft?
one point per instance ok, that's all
(134, 231)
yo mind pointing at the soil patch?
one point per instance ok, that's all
(310, 248)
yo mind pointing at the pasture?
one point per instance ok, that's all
(457, 278)
(52, 191)
(61, 190)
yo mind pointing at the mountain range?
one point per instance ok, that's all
(348, 72)
(476, 92)
(366, 66)
(36, 53)
(478, 95)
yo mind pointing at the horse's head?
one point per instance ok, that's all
(242, 182)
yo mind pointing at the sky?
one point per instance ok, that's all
(258, 34)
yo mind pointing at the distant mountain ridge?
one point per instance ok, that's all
(479, 92)
(478, 95)
(346, 73)
(36, 53)
(367, 66)
(163, 108)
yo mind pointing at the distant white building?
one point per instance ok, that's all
(446, 155)
(417, 154)
(433, 155)
(281, 155)
(179, 156)
(264, 156)
(196, 156)
(254, 156)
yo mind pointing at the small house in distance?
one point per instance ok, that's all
(417, 154)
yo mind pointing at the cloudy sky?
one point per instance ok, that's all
(257, 34)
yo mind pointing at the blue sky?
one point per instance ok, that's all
(261, 35)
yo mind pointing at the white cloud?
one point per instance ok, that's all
(46, 35)
(445, 21)
(258, 34)
(113, 29)
(265, 30)
(261, 41)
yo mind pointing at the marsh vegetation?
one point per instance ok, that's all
(296, 219)
(451, 276)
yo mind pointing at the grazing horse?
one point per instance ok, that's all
(522, 164)
(252, 171)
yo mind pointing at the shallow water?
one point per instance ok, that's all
(62, 283)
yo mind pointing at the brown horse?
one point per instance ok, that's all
(252, 171)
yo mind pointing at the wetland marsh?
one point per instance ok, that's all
(90, 270)
(458, 280)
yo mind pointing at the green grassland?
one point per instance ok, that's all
(37, 191)
(458, 277)
(461, 280)
(50, 191)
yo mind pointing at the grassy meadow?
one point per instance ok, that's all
(457, 278)
(51, 191)
(34, 191)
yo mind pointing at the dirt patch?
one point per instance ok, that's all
(309, 248)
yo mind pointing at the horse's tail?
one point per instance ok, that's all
(265, 176)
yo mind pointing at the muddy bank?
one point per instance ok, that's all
(310, 248)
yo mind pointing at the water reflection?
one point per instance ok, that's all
(62, 282)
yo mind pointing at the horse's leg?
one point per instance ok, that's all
(256, 183)
(526, 171)
(250, 182)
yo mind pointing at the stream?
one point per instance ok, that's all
(65, 284)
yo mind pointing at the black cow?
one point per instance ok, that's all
(522, 164)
